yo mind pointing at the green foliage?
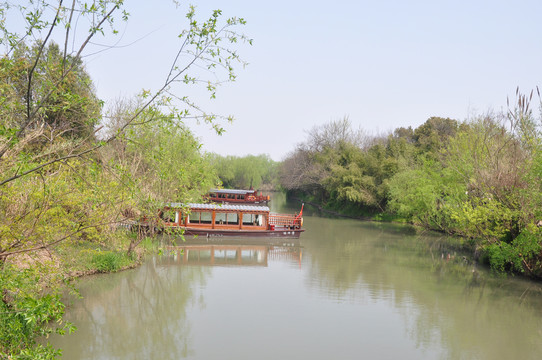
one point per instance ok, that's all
(59, 102)
(343, 167)
(75, 201)
(26, 313)
(530, 197)
(109, 261)
(485, 219)
(414, 195)
(481, 179)
(501, 255)
(521, 255)
(426, 195)
(432, 136)
(486, 187)
(161, 161)
(60, 185)
(529, 246)
(245, 172)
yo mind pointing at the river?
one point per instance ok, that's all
(347, 289)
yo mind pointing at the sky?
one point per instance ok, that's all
(383, 64)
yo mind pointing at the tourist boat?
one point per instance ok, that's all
(217, 220)
(234, 196)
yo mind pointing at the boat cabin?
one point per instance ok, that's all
(236, 196)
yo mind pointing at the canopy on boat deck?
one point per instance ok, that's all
(231, 191)
(230, 207)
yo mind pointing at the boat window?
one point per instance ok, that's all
(220, 218)
(193, 218)
(206, 217)
(248, 219)
(200, 217)
(232, 219)
(253, 219)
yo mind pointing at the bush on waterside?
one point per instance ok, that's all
(520, 255)
(109, 261)
(27, 313)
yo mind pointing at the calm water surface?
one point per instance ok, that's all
(347, 290)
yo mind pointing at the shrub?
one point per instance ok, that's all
(109, 261)
(26, 313)
(520, 255)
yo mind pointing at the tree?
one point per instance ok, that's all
(57, 183)
(426, 194)
(432, 135)
(244, 172)
(300, 171)
(68, 108)
(482, 182)
(44, 99)
(331, 134)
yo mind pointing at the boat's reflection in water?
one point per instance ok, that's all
(245, 252)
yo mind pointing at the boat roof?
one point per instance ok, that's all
(215, 206)
(231, 191)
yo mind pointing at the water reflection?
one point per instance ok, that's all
(140, 313)
(232, 252)
(441, 294)
(132, 314)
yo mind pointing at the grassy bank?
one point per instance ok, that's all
(32, 288)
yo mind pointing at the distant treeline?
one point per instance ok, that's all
(480, 179)
(257, 171)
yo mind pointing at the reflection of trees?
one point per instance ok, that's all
(441, 294)
(139, 314)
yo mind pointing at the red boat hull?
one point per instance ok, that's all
(277, 233)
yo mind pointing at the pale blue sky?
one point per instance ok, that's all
(384, 64)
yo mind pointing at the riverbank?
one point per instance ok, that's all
(32, 305)
(350, 213)
(484, 253)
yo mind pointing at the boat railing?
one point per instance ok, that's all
(280, 220)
